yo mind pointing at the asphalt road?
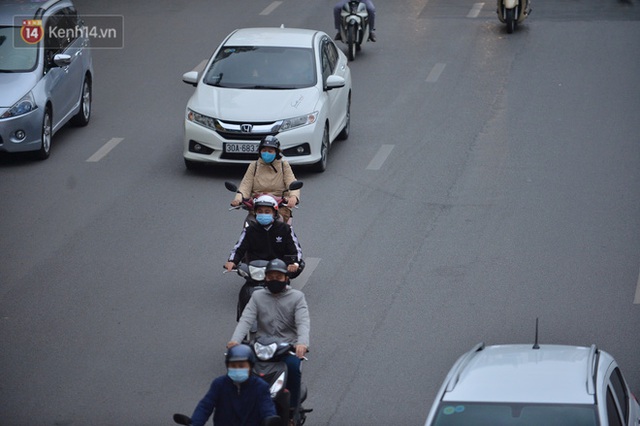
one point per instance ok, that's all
(489, 180)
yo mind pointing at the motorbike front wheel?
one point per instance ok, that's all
(351, 41)
(510, 19)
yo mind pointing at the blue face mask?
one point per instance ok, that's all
(238, 375)
(268, 157)
(264, 219)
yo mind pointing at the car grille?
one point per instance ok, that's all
(243, 131)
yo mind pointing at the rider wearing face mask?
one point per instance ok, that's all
(269, 174)
(281, 312)
(267, 238)
(238, 398)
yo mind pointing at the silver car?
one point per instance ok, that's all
(46, 73)
(526, 385)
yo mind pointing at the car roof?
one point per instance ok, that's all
(520, 373)
(10, 10)
(272, 36)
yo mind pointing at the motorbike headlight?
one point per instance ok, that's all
(23, 106)
(257, 273)
(277, 385)
(265, 352)
(202, 120)
(303, 120)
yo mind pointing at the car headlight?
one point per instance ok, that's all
(202, 120)
(265, 352)
(277, 385)
(303, 120)
(23, 106)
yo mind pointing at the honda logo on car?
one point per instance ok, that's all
(246, 128)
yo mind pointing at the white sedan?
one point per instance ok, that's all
(291, 83)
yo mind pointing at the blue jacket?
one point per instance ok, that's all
(244, 406)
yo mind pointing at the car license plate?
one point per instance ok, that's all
(241, 148)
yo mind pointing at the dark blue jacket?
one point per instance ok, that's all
(244, 406)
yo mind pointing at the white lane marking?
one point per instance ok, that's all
(636, 301)
(310, 265)
(106, 148)
(380, 157)
(271, 8)
(475, 10)
(434, 75)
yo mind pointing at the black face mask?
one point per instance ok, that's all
(276, 286)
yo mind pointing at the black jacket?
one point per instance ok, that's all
(276, 241)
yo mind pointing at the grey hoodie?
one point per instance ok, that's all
(284, 316)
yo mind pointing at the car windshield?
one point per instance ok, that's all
(515, 414)
(16, 55)
(254, 67)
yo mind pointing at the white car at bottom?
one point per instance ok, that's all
(292, 83)
(535, 385)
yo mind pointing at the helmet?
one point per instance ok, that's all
(277, 265)
(265, 201)
(240, 353)
(270, 141)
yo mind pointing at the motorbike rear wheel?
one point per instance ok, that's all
(351, 41)
(510, 19)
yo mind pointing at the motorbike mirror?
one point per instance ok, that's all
(182, 419)
(271, 421)
(296, 184)
(231, 186)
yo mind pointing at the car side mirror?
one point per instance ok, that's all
(191, 78)
(61, 60)
(334, 82)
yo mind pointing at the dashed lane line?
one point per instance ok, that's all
(380, 157)
(271, 8)
(311, 264)
(434, 75)
(106, 148)
(475, 10)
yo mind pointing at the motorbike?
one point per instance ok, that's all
(354, 26)
(183, 419)
(247, 203)
(513, 12)
(270, 366)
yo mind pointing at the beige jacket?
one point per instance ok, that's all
(261, 177)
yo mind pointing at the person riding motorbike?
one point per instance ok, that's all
(371, 9)
(267, 238)
(269, 174)
(238, 398)
(282, 313)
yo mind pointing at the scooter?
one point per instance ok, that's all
(270, 366)
(183, 419)
(354, 26)
(513, 12)
(247, 203)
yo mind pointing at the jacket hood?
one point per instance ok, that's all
(14, 86)
(253, 104)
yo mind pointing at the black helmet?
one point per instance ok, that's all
(277, 265)
(240, 353)
(270, 141)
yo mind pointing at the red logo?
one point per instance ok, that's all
(31, 30)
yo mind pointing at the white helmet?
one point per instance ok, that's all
(266, 201)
